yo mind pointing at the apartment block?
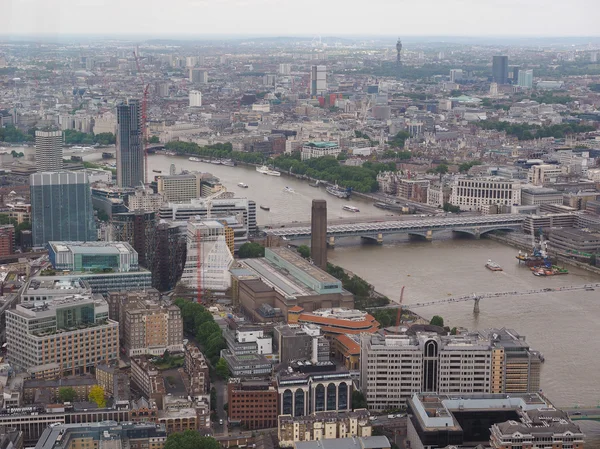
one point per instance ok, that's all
(196, 368)
(80, 384)
(323, 425)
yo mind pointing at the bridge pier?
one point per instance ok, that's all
(429, 235)
(374, 239)
(476, 299)
(380, 238)
(331, 242)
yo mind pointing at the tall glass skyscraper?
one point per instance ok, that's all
(130, 148)
(61, 207)
(500, 69)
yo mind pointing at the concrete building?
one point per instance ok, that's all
(75, 334)
(61, 207)
(335, 321)
(318, 239)
(180, 188)
(198, 76)
(285, 69)
(109, 435)
(130, 148)
(195, 99)
(305, 388)
(574, 241)
(92, 256)
(374, 442)
(480, 193)
(300, 342)
(207, 249)
(321, 426)
(145, 200)
(252, 403)
(492, 420)
(525, 79)
(318, 80)
(49, 150)
(151, 328)
(438, 194)
(544, 174)
(413, 189)
(456, 75)
(102, 283)
(311, 150)
(535, 197)
(394, 367)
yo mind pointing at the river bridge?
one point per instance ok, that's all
(475, 226)
(476, 297)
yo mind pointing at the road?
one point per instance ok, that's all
(221, 389)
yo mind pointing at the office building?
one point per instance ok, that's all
(480, 193)
(109, 435)
(492, 420)
(574, 241)
(92, 256)
(146, 200)
(61, 207)
(540, 175)
(49, 150)
(130, 148)
(169, 256)
(7, 240)
(542, 195)
(456, 75)
(294, 342)
(208, 257)
(195, 98)
(138, 229)
(323, 425)
(285, 69)
(500, 69)
(525, 79)
(318, 80)
(311, 150)
(180, 188)
(283, 281)
(198, 76)
(394, 367)
(305, 388)
(72, 333)
(318, 233)
(252, 403)
(335, 321)
(151, 328)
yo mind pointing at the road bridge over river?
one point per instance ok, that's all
(425, 227)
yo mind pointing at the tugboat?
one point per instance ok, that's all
(493, 266)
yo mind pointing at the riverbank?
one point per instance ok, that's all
(506, 239)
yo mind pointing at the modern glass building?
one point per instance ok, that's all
(500, 69)
(130, 150)
(93, 256)
(61, 207)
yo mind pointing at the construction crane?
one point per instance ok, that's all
(144, 115)
(399, 315)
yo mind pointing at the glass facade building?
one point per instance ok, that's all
(61, 207)
(130, 150)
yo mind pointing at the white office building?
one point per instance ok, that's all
(285, 69)
(48, 150)
(311, 150)
(195, 99)
(478, 194)
(539, 175)
(318, 80)
(208, 257)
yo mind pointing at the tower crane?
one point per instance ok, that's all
(144, 115)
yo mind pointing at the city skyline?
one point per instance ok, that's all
(203, 17)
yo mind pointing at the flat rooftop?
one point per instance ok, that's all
(92, 247)
(273, 277)
(299, 262)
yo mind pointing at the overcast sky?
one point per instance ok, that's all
(303, 17)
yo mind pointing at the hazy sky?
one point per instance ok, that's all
(303, 17)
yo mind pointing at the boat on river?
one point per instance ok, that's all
(336, 190)
(493, 266)
(267, 171)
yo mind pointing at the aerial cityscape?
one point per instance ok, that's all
(276, 237)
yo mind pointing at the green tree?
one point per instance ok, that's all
(399, 139)
(222, 369)
(448, 207)
(304, 251)
(437, 321)
(105, 139)
(358, 400)
(213, 398)
(190, 439)
(66, 394)
(154, 139)
(251, 250)
(453, 331)
(97, 395)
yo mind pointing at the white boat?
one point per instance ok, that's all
(228, 162)
(351, 208)
(80, 148)
(194, 159)
(267, 171)
(243, 185)
(288, 189)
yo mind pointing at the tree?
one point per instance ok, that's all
(251, 250)
(448, 207)
(437, 321)
(97, 395)
(222, 369)
(190, 439)
(358, 400)
(453, 331)
(399, 139)
(304, 251)
(154, 139)
(66, 394)
(213, 398)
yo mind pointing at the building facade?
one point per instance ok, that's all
(500, 69)
(480, 193)
(92, 256)
(49, 150)
(151, 328)
(61, 207)
(252, 403)
(130, 148)
(195, 98)
(7, 240)
(180, 188)
(318, 80)
(311, 150)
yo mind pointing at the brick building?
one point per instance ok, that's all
(252, 403)
(7, 240)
